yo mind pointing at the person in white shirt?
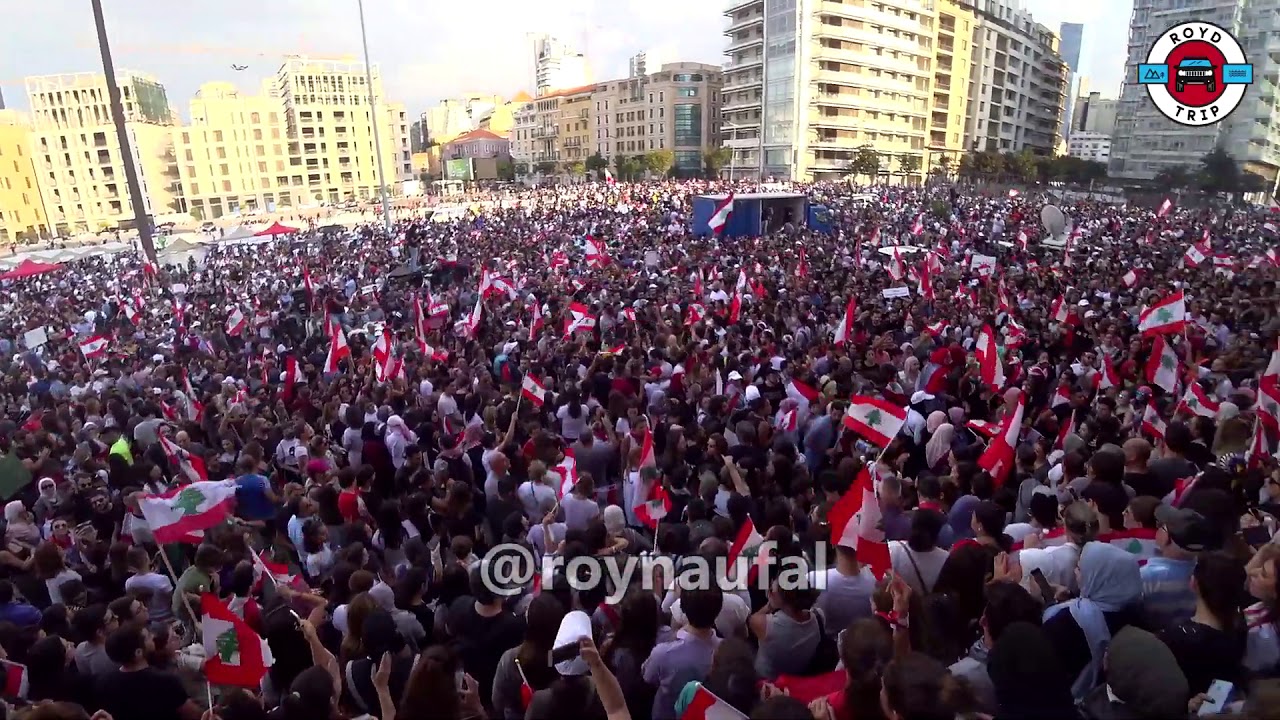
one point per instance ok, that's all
(534, 494)
(1058, 562)
(573, 416)
(399, 438)
(919, 560)
(847, 596)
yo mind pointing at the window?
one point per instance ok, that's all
(688, 159)
(685, 77)
(686, 92)
(688, 124)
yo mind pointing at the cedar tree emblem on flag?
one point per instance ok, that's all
(188, 502)
(228, 646)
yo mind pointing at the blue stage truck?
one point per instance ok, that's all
(753, 214)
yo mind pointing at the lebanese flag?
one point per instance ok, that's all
(1002, 299)
(306, 283)
(567, 470)
(651, 511)
(188, 509)
(1139, 542)
(1052, 538)
(1165, 207)
(989, 363)
(595, 254)
(1271, 376)
(467, 325)
(895, 268)
(1130, 278)
(1162, 366)
(874, 419)
(1167, 316)
(855, 522)
(984, 428)
(1108, 378)
(1196, 253)
(580, 318)
(278, 573)
(331, 325)
(917, 228)
(926, 281)
(382, 348)
(195, 409)
(697, 283)
(1022, 240)
(746, 539)
(1269, 407)
(1196, 402)
(191, 466)
(94, 347)
(338, 350)
(789, 420)
(695, 314)
(936, 329)
(130, 312)
(1060, 397)
(802, 270)
(844, 331)
(706, 706)
(647, 457)
(735, 307)
(615, 350)
(1259, 448)
(236, 654)
(235, 321)
(998, 459)
(535, 319)
(801, 392)
(1063, 431)
(1152, 424)
(532, 390)
(1060, 311)
(720, 217)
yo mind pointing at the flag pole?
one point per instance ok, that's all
(186, 601)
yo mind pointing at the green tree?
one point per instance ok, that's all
(1252, 183)
(942, 165)
(659, 162)
(620, 167)
(1020, 166)
(988, 164)
(1174, 178)
(506, 170)
(576, 169)
(909, 165)
(968, 167)
(521, 169)
(545, 167)
(866, 161)
(1219, 172)
(716, 159)
(1093, 171)
(596, 163)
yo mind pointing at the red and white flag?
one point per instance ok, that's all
(1061, 396)
(917, 228)
(1162, 365)
(746, 539)
(896, 269)
(720, 217)
(1022, 240)
(647, 456)
(801, 392)
(1165, 207)
(844, 330)
(190, 467)
(984, 428)
(706, 706)
(579, 318)
(535, 319)
(653, 510)
(234, 653)
(1269, 407)
(1108, 378)
(532, 390)
(990, 365)
(468, 325)
(594, 252)
(735, 307)
(1152, 424)
(1167, 316)
(876, 420)
(175, 514)
(1196, 253)
(1130, 278)
(130, 312)
(94, 347)
(338, 350)
(1060, 311)
(998, 459)
(856, 523)
(1196, 402)
(235, 321)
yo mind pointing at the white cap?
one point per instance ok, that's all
(735, 375)
(573, 627)
(752, 393)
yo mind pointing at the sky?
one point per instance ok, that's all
(426, 49)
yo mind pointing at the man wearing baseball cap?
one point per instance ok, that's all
(1166, 580)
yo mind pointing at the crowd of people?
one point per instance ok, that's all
(1074, 516)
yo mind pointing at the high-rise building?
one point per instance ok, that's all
(78, 160)
(1019, 82)
(1, 98)
(810, 82)
(1071, 37)
(1146, 142)
(557, 65)
(330, 131)
(647, 61)
(1095, 114)
(234, 156)
(675, 108)
(21, 211)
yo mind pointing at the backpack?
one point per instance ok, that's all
(826, 654)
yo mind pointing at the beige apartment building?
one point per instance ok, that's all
(329, 131)
(553, 128)
(676, 108)
(840, 75)
(21, 211)
(78, 161)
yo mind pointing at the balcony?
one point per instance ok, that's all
(736, 5)
(744, 22)
(744, 43)
(742, 81)
(870, 15)
(740, 104)
(747, 142)
(746, 63)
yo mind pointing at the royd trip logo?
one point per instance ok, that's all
(1196, 74)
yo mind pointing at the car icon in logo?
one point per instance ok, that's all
(1194, 71)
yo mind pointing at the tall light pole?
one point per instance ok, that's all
(373, 112)
(122, 137)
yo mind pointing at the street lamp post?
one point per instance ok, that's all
(373, 113)
(141, 220)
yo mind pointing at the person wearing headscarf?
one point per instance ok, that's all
(1143, 681)
(937, 450)
(1110, 598)
(1029, 682)
(399, 438)
(19, 528)
(910, 374)
(960, 518)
